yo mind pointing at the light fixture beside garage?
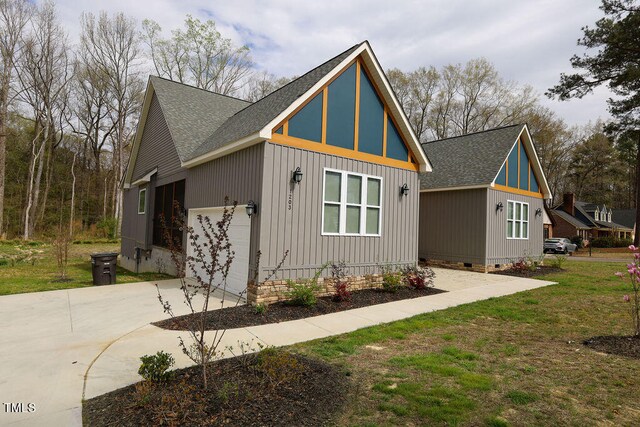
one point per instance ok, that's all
(251, 208)
(538, 211)
(499, 207)
(404, 190)
(297, 175)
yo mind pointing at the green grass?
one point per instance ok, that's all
(516, 360)
(39, 272)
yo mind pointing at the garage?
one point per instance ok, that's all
(239, 235)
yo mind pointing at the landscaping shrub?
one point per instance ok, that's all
(391, 278)
(633, 269)
(558, 261)
(578, 240)
(340, 284)
(278, 367)
(155, 368)
(303, 294)
(610, 242)
(261, 308)
(418, 277)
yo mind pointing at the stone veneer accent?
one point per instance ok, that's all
(272, 291)
(479, 268)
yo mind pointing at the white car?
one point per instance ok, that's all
(559, 245)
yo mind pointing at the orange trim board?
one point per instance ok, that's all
(517, 191)
(342, 152)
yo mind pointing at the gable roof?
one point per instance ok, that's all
(256, 116)
(625, 217)
(474, 160)
(205, 125)
(570, 219)
(192, 114)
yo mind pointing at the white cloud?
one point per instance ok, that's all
(529, 42)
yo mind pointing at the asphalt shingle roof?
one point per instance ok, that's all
(468, 160)
(570, 219)
(626, 217)
(257, 115)
(192, 114)
(611, 225)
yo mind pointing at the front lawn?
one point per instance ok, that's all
(39, 272)
(516, 360)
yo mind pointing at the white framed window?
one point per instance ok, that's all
(609, 217)
(351, 204)
(596, 215)
(142, 201)
(517, 220)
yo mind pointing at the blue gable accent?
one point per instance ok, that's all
(502, 175)
(524, 168)
(341, 107)
(395, 147)
(307, 123)
(534, 182)
(371, 126)
(512, 179)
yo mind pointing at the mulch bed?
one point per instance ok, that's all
(245, 315)
(539, 271)
(240, 393)
(628, 346)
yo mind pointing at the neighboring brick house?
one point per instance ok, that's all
(577, 218)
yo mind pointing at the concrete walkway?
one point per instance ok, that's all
(62, 345)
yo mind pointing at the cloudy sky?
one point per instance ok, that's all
(529, 41)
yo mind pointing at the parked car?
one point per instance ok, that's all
(559, 245)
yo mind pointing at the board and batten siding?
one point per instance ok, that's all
(156, 147)
(453, 226)
(501, 250)
(133, 226)
(237, 176)
(291, 216)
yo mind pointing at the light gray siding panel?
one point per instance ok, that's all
(156, 146)
(291, 216)
(237, 176)
(501, 250)
(453, 226)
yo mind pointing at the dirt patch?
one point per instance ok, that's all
(628, 346)
(241, 393)
(539, 271)
(246, 315)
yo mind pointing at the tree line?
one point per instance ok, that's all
(68, 113)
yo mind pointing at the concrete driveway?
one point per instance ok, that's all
(61, 346)
(49, 340)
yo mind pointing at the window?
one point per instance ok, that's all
(517, 220)
(597, 215)
(609, 217)
(165, 213)
(142, 201)
(352, 204)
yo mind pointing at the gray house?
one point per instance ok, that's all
(329, 164)
(483, 205)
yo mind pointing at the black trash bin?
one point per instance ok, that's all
(103, 267)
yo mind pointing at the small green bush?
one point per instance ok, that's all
(391, 279)
(303, 294)
(108, 227)
(3, 262)
(578, 241)
(261, 308)
(610, 242)
(558, 261)
(155, 368)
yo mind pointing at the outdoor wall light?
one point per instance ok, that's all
(499, 207)
(404, 190)
(252, 208)
(538, 211)
(297, 175)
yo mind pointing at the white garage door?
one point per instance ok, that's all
(239, 235)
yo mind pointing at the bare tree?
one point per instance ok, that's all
(262, 84)
(198, 55)
(113, 47)
(14, 16)
(44, 74)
